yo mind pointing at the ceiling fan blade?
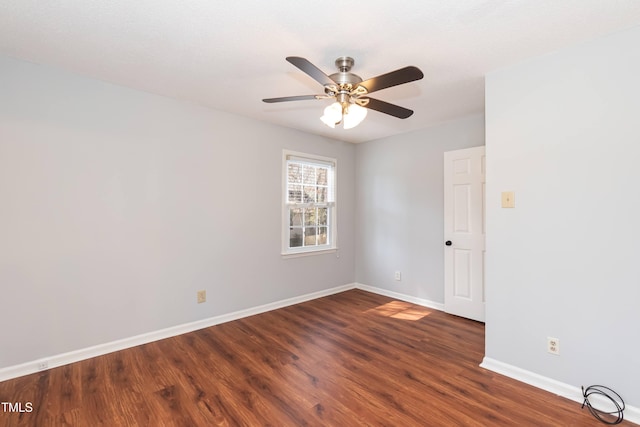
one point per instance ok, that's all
(293, 98)
(311, 70)
(394, 78)
(385, 107)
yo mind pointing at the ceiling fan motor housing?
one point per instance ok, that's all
(345, 80)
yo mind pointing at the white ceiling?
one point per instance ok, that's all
(230, 55)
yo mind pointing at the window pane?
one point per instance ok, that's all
(295, 237)
(295, 193)
(294, 172)
(310, 236)
(309, 194)
(321, 176)
(295, 217)
(310, 216)
(322, 235)
(309, 174)
(321, 194)
(322, 216)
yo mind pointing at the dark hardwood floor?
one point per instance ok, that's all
(350, 359)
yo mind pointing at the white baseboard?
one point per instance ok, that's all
(570, 392)
(402, 297)
(101, 349)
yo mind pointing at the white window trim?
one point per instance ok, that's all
(333, 229)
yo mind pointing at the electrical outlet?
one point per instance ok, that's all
(553, 346)
(43, 365)
(202, 296)
(398, 276)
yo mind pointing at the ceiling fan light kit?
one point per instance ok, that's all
(351, 92)
(351, 115)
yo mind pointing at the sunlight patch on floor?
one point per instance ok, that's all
(401, 310)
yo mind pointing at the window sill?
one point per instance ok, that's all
(287, 255)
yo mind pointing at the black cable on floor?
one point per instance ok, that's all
(605, 417)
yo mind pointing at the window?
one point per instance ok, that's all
(309, 209)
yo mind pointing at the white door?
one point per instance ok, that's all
(464, 188)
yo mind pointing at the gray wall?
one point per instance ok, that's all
(563, 133)
(116, 206)
(400, 207)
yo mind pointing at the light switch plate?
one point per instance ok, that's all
(508, 199)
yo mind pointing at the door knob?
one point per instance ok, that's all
(448, 243)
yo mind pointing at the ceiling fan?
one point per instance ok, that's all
(351, 92)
